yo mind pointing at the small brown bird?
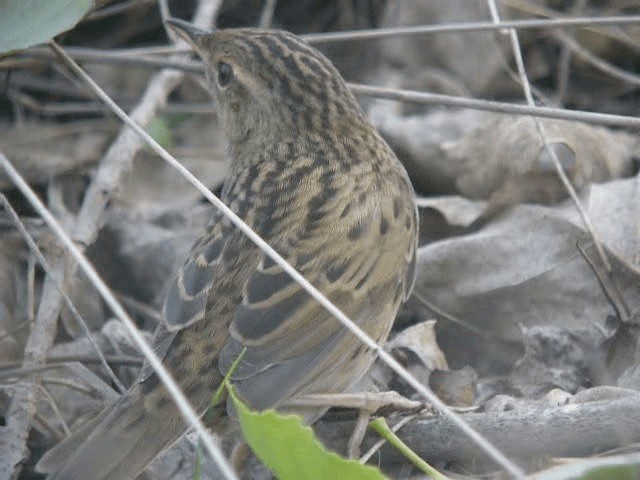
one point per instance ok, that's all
(310, 175)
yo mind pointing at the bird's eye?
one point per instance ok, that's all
(225, 74)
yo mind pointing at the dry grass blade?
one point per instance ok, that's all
(600, 64)
(493, 106)
(424, 98)
(469, 27)
(552, 154)
(72, 308)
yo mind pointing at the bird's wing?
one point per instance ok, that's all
(188, 298)
(362, 262)
(211, 266)
(360, 256)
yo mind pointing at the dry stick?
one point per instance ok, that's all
(133, 54)
(188, 413)
(53, 109)
(14, 329)
(22, 406)
(127, 56)
(450, 317)
(31, 269)
(45, 393)
(598, 62)
(609, 288)
(165, 14)
(515, 44)
(117, 9)
(140, 307)
(499, 107)
(92, 55)
(565, 59)
(70, 384)
(534, 9)
(70, 305)
(563, 74)
(15, 370)
(491, 451)
(118, 157)
(469, 27)
(266, 17)
(54, 407)
(151, 57)
(538, 431)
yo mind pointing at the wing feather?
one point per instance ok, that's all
(290, 339)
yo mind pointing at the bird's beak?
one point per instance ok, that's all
(186, 31)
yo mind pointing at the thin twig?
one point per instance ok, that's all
(515, 44)
(69, 384)
(539, 10)
(33, 246)
(469, 27)
(266, 17)
(117, 9)
(23, 403)
(45, 393)
(31, 264)
(598, 62)
(139, 307)
(499, 107)
(402, 95)
(448, 316)
(608, 285)
(540, 23)
(14, 369)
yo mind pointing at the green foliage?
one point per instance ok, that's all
(286, 445)
(291, 451)
(379, 425)
(24, 23)
(618, 472)
(620, 467)
(160, 131)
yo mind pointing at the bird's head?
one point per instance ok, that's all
(269, 82)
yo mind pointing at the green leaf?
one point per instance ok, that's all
(618, 467)
(24, 23)
(626, 472)
(160, 131)
(291, 451)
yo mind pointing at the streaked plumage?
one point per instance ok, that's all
(312, 177)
